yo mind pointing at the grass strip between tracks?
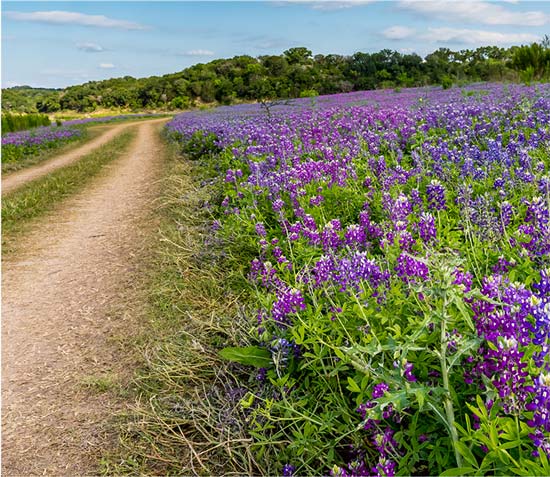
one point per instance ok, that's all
(42, 195)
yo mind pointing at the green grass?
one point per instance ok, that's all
(38, 197)
(20, 122)
(178, 426)
(100, 384)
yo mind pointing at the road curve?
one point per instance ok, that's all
(14, 180)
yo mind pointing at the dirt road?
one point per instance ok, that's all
(14, 180)
(58, 324)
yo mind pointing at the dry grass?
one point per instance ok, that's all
(187, 419)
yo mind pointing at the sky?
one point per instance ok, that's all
(58, 44)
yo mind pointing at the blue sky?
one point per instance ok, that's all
(56, 44)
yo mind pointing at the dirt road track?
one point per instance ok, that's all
(14, 180)
(57, 323)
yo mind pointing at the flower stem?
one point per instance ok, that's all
(447, 400)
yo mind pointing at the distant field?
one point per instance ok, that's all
(35, 144)
(20, 146)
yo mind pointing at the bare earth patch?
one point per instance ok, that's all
(58, 325)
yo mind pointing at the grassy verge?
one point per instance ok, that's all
(42, 195)
(183, 421)
(91, 133)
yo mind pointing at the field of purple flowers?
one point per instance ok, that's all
(23, 144)
(107, 119)
(397, 245)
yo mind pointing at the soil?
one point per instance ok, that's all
(64, 313)
(14, 180)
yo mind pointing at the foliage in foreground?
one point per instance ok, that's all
(401, 275)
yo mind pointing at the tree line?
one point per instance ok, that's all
(294, 73)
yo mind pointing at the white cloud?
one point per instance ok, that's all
(58, 17)
(327, 5)
(341, 5)
(198, 52)
(90, 47)
(476, 37)
(459, 35)
(106, 66)
(475, 11)
(398, 32)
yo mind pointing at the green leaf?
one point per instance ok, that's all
(460, 305)
(249, 355)
(524, 472)
(420, 397)
(299, 334)
(398, 400)
(489, 460)
(353, 385)
(339, 353)
(481, 406)
(458, 471)
(466, 453)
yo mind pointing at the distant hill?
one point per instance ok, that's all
(24, 98)
(26, 87)
(296, 72)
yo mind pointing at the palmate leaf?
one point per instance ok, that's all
(249, 355)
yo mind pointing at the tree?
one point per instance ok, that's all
(533, 59)
(298, 56)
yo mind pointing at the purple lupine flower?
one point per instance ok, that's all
(426, 227)
(436, 195)
(506, 213)
(330, 237)
(407, 372)
(289, 300)
(355, 236)
(262, 375)
(464, 279)
(406, 241)
(278, 205)
(385, 468)
(540, 404)
(410, 270)
(379, 390)
(324, 269)
(288, 470)
(400, 209)
(260, 229)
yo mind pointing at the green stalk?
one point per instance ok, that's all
(447, 400)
